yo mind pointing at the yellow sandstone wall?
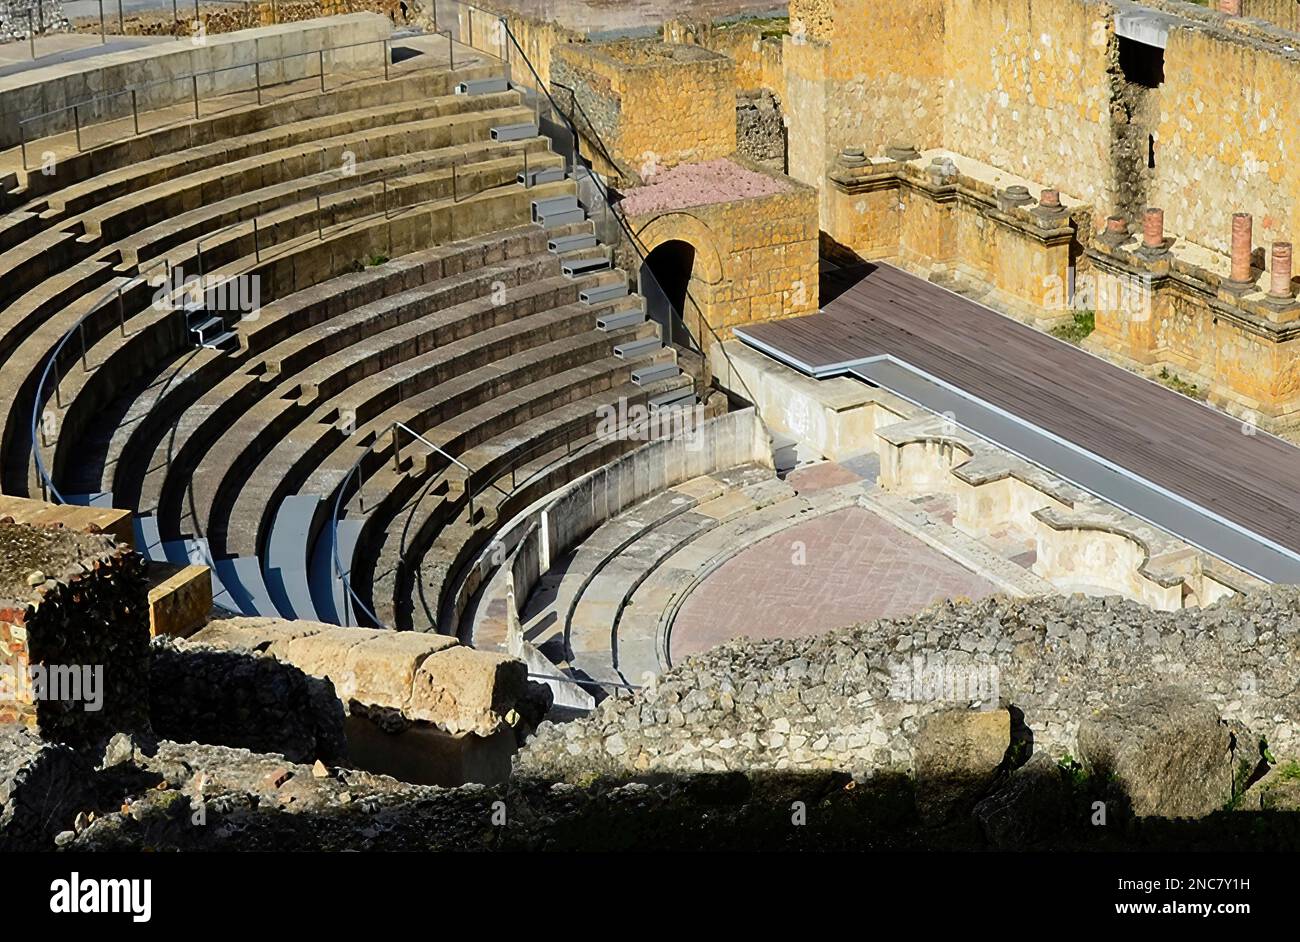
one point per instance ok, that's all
(1227, 139)
(655, 105)
(756, 259)
(1029, 90)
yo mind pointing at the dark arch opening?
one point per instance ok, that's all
(664, 279)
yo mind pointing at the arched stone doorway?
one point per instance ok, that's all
(664, 280)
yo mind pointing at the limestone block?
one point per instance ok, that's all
(461, 689)
(326, 654)
(382, 668)
(181, 603)
(255, 633)
(1167, 751)
(955, 755)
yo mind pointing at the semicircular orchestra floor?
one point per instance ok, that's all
(838, 569)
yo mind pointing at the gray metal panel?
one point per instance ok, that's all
(286, 557)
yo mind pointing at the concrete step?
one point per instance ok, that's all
(541, 175)
(604, 292)
(223, 341)
(572, 243)
(617, 320)
(678, 397)
(554, 205)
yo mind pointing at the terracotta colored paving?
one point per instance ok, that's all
(846, 567)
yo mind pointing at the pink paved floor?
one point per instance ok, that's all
(855, 567)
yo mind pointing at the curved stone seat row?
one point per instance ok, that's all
(155, 333)
(82, 217)
(430, 301)
(316, 322)
(545, 590)
(58, 298)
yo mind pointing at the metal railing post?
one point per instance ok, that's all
(76, 123)
(31, 32)
(135, 112)
(527, 179)
(195, 78)
(121, 19)
(454, 185)
(257, 78)
(121, 312)
(81, 332)
(103, 33)
(321, 53)
(320, 229)
(386, 58)
(451, 51)
(58, 400)
(397, 453)
(22, 141)
(257, 243)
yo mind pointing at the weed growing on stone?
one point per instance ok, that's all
(1080, 326)
(1178, 384)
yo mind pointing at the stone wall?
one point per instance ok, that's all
(74, 634)
(202, 693)
(756, 52)
(859, 700)
(1283, 13)
(44, 90)
(760, 130)
(1225, 142)
(755, 255)
(1242, 350)
(942, 213)
(20, 18)
(654, 105)
(1029, 89)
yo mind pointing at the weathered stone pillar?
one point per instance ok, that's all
(1279, 266)
(1153, 228)
(1241, 246)
(1116, 231)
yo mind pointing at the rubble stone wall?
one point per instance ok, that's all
(74, 624)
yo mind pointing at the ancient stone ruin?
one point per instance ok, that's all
(577, 426)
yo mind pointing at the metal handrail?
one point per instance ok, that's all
(47, 481)
(193, 79)
(603, 190)
(343, 488)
